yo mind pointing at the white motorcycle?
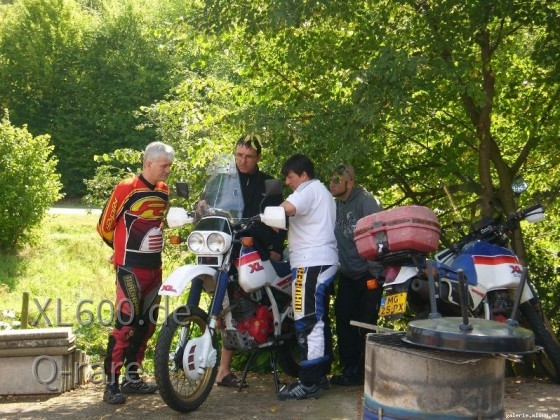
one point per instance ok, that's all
(250, 298)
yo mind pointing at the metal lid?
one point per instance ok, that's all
(486, 336)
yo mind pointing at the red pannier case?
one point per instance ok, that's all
(407, 228)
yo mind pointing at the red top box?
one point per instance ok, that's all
(407, 228)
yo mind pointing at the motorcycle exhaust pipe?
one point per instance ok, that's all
(421, 287)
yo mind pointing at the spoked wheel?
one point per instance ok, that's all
(180, 391)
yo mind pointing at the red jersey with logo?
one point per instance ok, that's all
(132, 220)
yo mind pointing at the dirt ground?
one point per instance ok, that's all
(523, 398)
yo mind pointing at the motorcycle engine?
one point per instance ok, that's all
(243, 308)
(500, 305)
(258, 326)
(252, 318)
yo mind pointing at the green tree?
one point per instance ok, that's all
(40, 44)
(80, 73)
(443, 79)
(30, 183)
(437, 103)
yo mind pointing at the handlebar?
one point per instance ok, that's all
(237, 228)
(493, 230)
(246, 223)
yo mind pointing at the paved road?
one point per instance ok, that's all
(72, 210)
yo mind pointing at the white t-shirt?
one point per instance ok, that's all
(311, 239)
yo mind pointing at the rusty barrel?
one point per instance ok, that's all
(405, 381)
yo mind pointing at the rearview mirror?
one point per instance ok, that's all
(272, 187)
(518, 185)
(182, 189)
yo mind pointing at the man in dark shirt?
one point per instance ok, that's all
(269, 243)
(358, 293)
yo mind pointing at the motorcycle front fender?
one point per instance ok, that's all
(178, 280)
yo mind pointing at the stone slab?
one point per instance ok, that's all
(37, 342)
(35, 334)
(37, 351)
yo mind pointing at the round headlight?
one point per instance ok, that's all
(518, 185)
(216, 242)
(195, 242)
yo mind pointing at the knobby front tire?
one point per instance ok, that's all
(178, 391)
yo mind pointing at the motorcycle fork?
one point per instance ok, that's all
(193, 299)
(196, 292)
(222, 281)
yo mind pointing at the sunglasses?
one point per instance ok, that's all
(250, 141)
(341, 169)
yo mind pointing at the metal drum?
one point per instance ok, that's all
(404, 381)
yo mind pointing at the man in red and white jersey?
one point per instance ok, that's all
(132, 224)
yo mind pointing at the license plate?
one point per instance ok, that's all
(394, 304)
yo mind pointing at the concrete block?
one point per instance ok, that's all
(41, 361)
(35, 375)
(36, 351)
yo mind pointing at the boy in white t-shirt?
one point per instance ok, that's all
(314, 262)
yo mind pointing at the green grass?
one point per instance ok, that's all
(70, 283)
(67, 265)
(68, 261)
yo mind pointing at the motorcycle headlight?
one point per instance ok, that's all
(195, 242)
(216, 243)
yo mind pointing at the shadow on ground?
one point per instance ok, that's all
(523, 398)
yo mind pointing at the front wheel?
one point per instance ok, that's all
(180, 392)
(549, 357)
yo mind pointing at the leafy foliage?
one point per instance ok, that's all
(442, 103)
(80, 73)
(30, 183)
(113, 168)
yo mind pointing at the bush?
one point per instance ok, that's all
(30, 184)
(113, 168)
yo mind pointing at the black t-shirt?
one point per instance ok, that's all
(253, 190)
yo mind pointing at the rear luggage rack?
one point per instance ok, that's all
(404, 257)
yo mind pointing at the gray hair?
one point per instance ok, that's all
(158, 149)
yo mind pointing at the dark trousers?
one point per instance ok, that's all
(136, 306)
(354, 302)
